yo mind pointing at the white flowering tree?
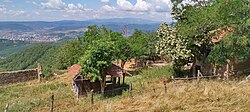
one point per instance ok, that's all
(172, 45)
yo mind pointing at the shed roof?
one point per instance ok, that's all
(74, 70)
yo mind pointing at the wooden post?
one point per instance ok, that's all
(52, 103)
(92, 97)
(6, 108)
(130, 89)
(227, 71)
(123, 78)
(119, 80)
(115, 81)
(77, 93)
(198, 75)
(39, 72)
(174, 80)
(165, 84)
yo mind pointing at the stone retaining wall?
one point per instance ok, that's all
(18, 76)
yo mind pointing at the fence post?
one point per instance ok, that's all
(39, 72)
(165, 84)
(6, 108)
(130, 89)
(187, 78)
(173, 80)
(198, 76)
(92, 97)
(52, 103)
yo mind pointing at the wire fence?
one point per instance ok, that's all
(129, 89)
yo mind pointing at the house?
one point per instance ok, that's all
(231, 68)
(82, 85)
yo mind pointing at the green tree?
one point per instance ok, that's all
(69, 53)
(196, 21)
(139, 44)
(97, 59)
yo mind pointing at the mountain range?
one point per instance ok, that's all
(115, 24)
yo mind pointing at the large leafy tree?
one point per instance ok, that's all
(123, 49)
(97, 59)
(195, 22)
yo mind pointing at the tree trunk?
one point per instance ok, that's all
(103, 81)
(123, 62)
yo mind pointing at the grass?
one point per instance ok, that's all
(148, 95)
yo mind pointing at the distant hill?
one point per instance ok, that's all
(29, 58)
(73, 25)
(124, 21)
(8, 47)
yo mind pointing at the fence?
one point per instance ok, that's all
(129, 88)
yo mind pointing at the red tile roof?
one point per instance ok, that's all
(74, 70)
(219, 34)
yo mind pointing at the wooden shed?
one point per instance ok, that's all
(82, 85)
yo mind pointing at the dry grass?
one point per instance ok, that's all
(191, 96)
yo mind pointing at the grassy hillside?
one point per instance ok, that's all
(8, 47)
(186, 96)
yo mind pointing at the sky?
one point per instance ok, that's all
(54, 10)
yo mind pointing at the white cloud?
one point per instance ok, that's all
(104, 0)
(59, 9)
(74, 8)
(53, 4)
(62, 6)
(2, 9)
(125, 5)
(108, 8)
(5, 11)
(162, 5)
(18, 13)
(142, 6)
(7, 0)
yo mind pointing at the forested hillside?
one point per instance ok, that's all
(30, 57)
(8, 47)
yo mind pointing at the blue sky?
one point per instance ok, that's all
(53, 10)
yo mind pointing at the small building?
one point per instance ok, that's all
(82, 85)
(232, 67)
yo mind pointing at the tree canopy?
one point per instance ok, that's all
(191, 36)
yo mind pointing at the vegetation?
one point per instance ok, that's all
(206, 95)
(29, 58)
(192, 34)
(97, 59)
(8, 47)
(68, 54)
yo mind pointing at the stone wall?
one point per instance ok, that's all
(18, 76)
